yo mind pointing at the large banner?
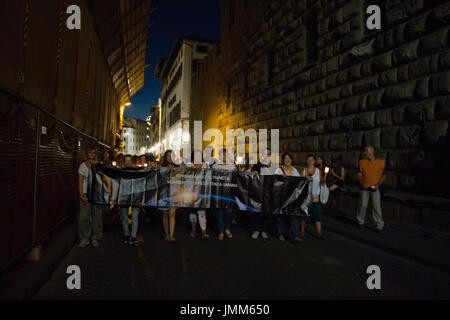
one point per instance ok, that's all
(199, 188)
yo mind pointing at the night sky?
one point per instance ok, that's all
(170, 18)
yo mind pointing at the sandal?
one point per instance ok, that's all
(205, 236)
(229, 234)
(281, 238)
(220, 237)
(298, 240)
(192, 235)
(172, 240)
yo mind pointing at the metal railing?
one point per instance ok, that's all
(40, 155)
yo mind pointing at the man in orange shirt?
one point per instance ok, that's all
(371, 175)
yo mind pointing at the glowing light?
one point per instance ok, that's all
(186, 137)
(327, 170)
(188, 196)
(114, 163)
(127, 104)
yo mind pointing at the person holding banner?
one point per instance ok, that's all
(150, 211)
(194, 213)
(288, 170)
(224, 215)
(314, 173)
(260, 220)
(130, 238)
(90, 218)
(208, 159)
(168, 212)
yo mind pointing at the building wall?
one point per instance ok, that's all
(177, 93)
(388, 88)
(135, 136)
(205, 97)
(62, 71)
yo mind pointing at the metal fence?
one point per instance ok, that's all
(39, 159)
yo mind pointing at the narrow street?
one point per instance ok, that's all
(239, 269)
(337, 111)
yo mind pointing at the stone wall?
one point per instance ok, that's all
(389, 88)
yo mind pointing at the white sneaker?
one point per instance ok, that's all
(83, 243)
(255, 235)
(264, 235)
(95, 243)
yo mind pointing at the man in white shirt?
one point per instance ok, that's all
(90, 219)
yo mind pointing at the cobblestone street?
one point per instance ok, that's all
(239, 269)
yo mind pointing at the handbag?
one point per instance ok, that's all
(324, 194)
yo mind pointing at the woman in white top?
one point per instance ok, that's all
(311, 171)
(288, 170)
(168, 211)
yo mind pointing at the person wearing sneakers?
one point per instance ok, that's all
(90, 219)
(260, 220)
(130, 238)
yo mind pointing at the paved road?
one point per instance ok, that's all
(239, 269)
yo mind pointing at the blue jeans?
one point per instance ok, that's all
(224, 217)
(134, 221)
(282, 220)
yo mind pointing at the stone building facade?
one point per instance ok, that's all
(313, 70)
(135, 136)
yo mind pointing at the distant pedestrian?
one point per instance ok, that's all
(336, 176)
(288, 170)
(137, 160)
(120, 160)
(130, 238)
(313, 172)
(150, 161)
(372, 174)
(90, 218)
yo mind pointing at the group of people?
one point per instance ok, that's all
(324, 179)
